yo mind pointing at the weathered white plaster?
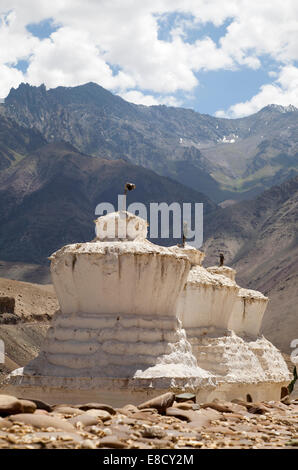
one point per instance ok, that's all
(248, 312)
(118, 311)
(211, 308)
(194, 255)
(223, 270)
(206, 300)
(137, 319)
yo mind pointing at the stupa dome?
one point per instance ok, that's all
(121, 225)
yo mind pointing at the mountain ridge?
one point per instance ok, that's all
(49, 198)
(239, 157)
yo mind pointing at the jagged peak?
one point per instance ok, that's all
(25, 89)
(279, 108)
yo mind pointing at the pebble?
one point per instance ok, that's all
(41, 405)
(128, 409)
(183, 406)
(180, 426)
(101, 414)
(5, 423)
(111, 442)
(88, 444)
(184, 415)
(28, 406)
(86, 420)
(160, 403)
(68, 410)
(9, 405)
(153, 432)
(66, 436)
(98, 406)
(42, 421)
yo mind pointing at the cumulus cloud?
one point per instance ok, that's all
(137, 97)
(69, 58)
(117, 44)
(283, 91)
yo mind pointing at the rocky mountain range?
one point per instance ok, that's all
(226, 159)
(48, 199)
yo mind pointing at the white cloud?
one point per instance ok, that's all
(69, 58)
(16, 43)
(95, 37)
(283, 91)
(137, 97)
(10, 77)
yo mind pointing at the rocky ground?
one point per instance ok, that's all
(161, 423)
(33, 302)
(24, 329)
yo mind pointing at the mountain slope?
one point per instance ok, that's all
(228, 158)
(16, 142)
(35, 305)
(49, 198)
(259, 239)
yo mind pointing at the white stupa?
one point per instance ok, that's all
(137, 319)
(222, 323)
(116, 336)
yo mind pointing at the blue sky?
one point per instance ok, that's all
(227, 58)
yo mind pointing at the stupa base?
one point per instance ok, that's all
(116, 392)
(119, 392)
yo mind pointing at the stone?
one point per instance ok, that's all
(185, 397)
(128, 409)
(121, 431)
(9, 405)
(293, 443)
(153, 432)
(9, 319)
(221, 430)
(40, 421)
(252, 408)
(28, 406)
(145, 417)
(101, 414)
(41, 405)
(5, 423)
(240, 402)
(184, 415)
(98, 406)
(61, 436)
(183, 405)
(160, 403)
(197, 419)
(286, 400)
(7, 304)
(68, 410)
(161, 443)
(257, 408)
(223, 406)
(129, 421)
(149, 410)
(111, 442)
(88, 444)
(209, 413)
(86, 419)
(234, 416)
(216, 406)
